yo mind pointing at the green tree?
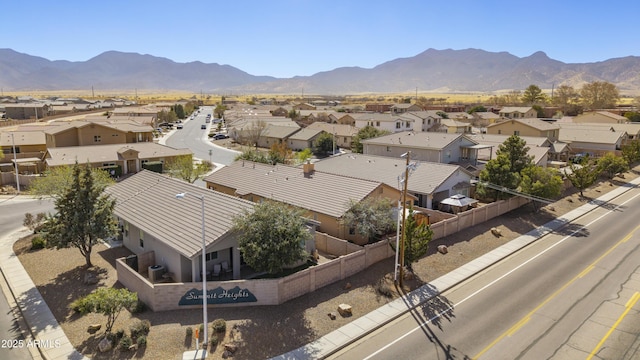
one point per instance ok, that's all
(219, 111)
(324, 143)
(56, 180)
(442, 114)
(271, 236)
(539, 110)
(293, 114)
(610, 165)
(633, 116)
(497, 172)
(631, 152)
(106, 301)
(565, 96)
(582, 175)
(254, 155)
(183, 167)
(477, 108)
(303, 156)
(279, 153)
(367, 132)
(370, 218)
(179, 110)
(516, 150)
(533, 95)
(599, 95)
(84, 215)
(416, 239)
(541, 182)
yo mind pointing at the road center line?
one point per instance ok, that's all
(628, 307)
(507, 274)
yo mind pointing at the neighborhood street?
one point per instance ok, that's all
(12, 210)
(572, 294)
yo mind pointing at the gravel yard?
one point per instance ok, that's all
(261, 332)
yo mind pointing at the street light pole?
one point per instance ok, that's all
(204, 272)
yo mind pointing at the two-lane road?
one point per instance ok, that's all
(191, 136)
(573, 294)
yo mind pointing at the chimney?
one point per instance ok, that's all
(308, 168)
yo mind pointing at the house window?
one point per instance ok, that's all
(516, 133)
(407, 124)
(377, 123)
(126, 229)
(352, 231)
(9, 150)
(211, 256)
(141, 240)
(97, 138)
(499, 132)
(398, 125)
(429, 122)
(388, 148)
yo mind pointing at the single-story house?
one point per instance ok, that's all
(152, 219)
(430, 182)
(595, 142)
(274, 134)
(525, 127)
(424, 146)
(600, 117)
(454, 127)
(343, 133)
(324, 197)
(304, 139)
(403, 108)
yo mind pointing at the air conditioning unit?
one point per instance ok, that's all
(155, 273)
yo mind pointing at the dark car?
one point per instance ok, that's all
(220, 136)
(203, 127)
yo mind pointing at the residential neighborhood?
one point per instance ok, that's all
(185, 182)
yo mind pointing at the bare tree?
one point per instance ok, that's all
(599, 95)
(255, 131)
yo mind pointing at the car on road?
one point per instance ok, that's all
(179, 126)
(220, 136)
(203, 127)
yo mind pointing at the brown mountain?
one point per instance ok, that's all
(432, 70)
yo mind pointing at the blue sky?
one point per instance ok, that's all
(285, 38)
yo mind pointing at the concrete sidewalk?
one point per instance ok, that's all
(366, 324)
(47, 335)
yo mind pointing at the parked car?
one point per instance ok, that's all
(220, 136)
(203, 127)
(179, 126)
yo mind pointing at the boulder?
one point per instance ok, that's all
(347, 286)
(442, 249)
(232, 348)
(344, 310)
(496, 232)
(332, 315)
(105, 345)
(93, 328)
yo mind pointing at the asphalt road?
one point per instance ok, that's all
(574, 294)
(12, 212)
(196, 139)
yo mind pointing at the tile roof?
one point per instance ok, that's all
(491, 139)
(22, 138)
(108, 153)
(532, 122)
(422, 140)
(148, 201)
(320, 192)
(426, 179)
(305, 134)
(279, 132)
(339, 129)
(568, 134)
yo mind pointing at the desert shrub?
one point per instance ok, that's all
(189, 331)
(80, 306)
(140, 307)
(140, 328)
(219, 325)
(213, 342)
(201, 330)
(125, 343)
(383, 288)
(120, 334)
(37, 242)
(142, 341)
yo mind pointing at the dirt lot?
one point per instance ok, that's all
(261, 332)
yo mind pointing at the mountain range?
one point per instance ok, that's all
(443, 71)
